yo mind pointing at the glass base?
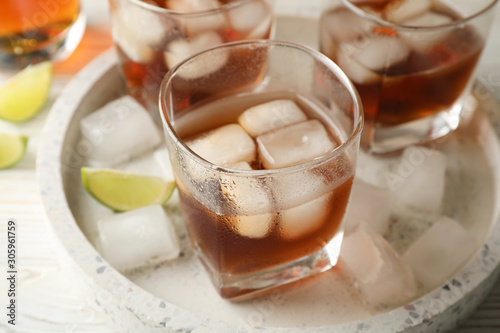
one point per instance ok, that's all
(388, 140)
(241, 287)
(58, 49)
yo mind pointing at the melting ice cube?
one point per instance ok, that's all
(181, 49)
(439, 253)
(400, 11)
(343, 25)
(251, 18)
(296, 189)
(419, 179)
(304, 219)
(380, 52)
(381, 274)
(225, 145)
(130, 44)
(369, 204)
(199, 23)
(143, 236)
(354, 70)
(270, 116)
(109, 130)
(251, 204)
(294, 144)
(147, 25)
(424, 41)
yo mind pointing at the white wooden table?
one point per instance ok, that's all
(47, 301)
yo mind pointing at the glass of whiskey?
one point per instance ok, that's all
(263, 139)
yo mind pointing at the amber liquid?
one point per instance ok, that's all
(27, 25)
(221, 246)
(425, 83)
(144, 79)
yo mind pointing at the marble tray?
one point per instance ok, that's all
(178, 297)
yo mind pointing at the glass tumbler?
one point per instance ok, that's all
(412, 62)
(153, 36)
(263, 139)
(37, 30)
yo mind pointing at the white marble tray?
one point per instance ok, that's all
(178, 297)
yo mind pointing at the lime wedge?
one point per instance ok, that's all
(23, 96)
(12, 149)
(123, 191)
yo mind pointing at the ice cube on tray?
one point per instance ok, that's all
(224, 146)
(118, 132)
(419, 179)
(137, 238)
(369, 204)
(440, 251)
(380, 273)
(294, 144)
(270, 116)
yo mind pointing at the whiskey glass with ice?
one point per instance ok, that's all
(263, 139)
(152, 36)
(412, 62)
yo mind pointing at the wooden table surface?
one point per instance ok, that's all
(47, 300)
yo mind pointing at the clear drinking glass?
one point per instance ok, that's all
(412, 62)
(153, 36)
(264, 193)
(33, 31)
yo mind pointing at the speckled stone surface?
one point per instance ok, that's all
(157, 299)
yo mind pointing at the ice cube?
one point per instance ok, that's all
(381, 274)
(424, 41)
(254, 226)
(294, 144)
(369, 204)
(380, 52)
(108, 131)
(270, 116)
(199, 23)
(419, 179)
(401, 11)
(296, 189)
(343, 25)
(162, 158)
(148, 26)
(248, 16)
(304, 219)
(251, 204)
(440, 252)
(181, 49)
(140, 237)
(354, 70)
(225, 145)
(132, 46)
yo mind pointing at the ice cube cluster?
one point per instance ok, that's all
(365, 51)
(386, 273)
(271, 135)
(159, 40)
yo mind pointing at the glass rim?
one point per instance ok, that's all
(341, 76)
(161, 10)
(366, 15)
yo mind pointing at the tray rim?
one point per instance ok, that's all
(70, 240)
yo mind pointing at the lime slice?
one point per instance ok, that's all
(123, 191)
(12, 149)
(26, 93)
